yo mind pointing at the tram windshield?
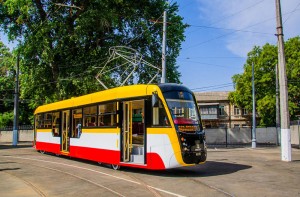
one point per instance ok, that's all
(184, 111)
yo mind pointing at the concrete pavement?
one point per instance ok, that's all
(227, 172)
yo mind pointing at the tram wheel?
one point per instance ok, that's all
(100, 163)
(115, 167)
(42, 151)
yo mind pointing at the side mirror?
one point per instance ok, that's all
(155, 99)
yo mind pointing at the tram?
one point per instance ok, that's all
(142, 126)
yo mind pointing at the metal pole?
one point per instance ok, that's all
(277, 108)
(163, 75)
(16, 106)
(253, 111)
(286, 152)
(298, 133)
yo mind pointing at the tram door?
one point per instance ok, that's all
(127, 130)
(133, 132)
(65, 140)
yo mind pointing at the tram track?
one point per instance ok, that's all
(143, 184)
(28, 183)
(212, 187)
(81, 178)
(154, 190)
(131, 179)
(61, 172)
(202, 183)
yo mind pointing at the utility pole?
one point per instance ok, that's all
(16, 106)
(163, 58)
(277, 108)
(286, 154)
(253, 110)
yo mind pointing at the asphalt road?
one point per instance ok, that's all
(227, 172)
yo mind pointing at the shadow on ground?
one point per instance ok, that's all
(210, 168)
(19, 145)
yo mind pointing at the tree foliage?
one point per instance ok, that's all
(6, 86)
(264, 60)
(63, 43)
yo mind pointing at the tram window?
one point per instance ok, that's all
(56, 124)
(39, 121)
(47, 120)
(90, 114)
(44, 121)
(107, 114)
(160, 117)
(76, 122)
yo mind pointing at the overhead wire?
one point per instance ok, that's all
(205, 88)
(291, 13)
(238, 30)
(238, 12)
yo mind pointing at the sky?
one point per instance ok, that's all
(220, 35)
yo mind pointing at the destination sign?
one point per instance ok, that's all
(188, 128)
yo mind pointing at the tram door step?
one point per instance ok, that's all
(137, 159)
(137, 150)
(137, 155)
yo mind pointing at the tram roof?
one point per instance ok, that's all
(110, 94)
(101, 96)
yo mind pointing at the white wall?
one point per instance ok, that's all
(244, 135)
(213, 136)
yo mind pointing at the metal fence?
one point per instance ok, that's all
(295, 122)
(21, 127)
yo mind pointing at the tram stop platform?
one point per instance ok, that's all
(229, 171)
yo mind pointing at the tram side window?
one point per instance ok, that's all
(107, 114)
(39, 121)
(56, 124)
(90, 116)
(76, 122)
(47, 120)
(43, 121)
(160, 117)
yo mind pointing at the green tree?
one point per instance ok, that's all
(6, 86)
(63, 43)
(264, 60)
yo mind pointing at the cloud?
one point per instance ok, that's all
(258, 18)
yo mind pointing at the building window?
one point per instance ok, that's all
(209, 110)
(204, 110)
(212, 110)
(245, 111)
(221, 110)
(237, 110)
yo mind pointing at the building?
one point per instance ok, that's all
(217, 112)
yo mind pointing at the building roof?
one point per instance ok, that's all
(212, 96)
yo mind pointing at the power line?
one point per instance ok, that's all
(212, 87)
(291, 13)
(75, 65)
(235, 30)
(212, 57)
(238, 12)
(203, 63)
(227, 34)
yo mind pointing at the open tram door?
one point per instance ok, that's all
(65, 138)
(133, 132)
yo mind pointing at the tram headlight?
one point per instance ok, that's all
(197, 146)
